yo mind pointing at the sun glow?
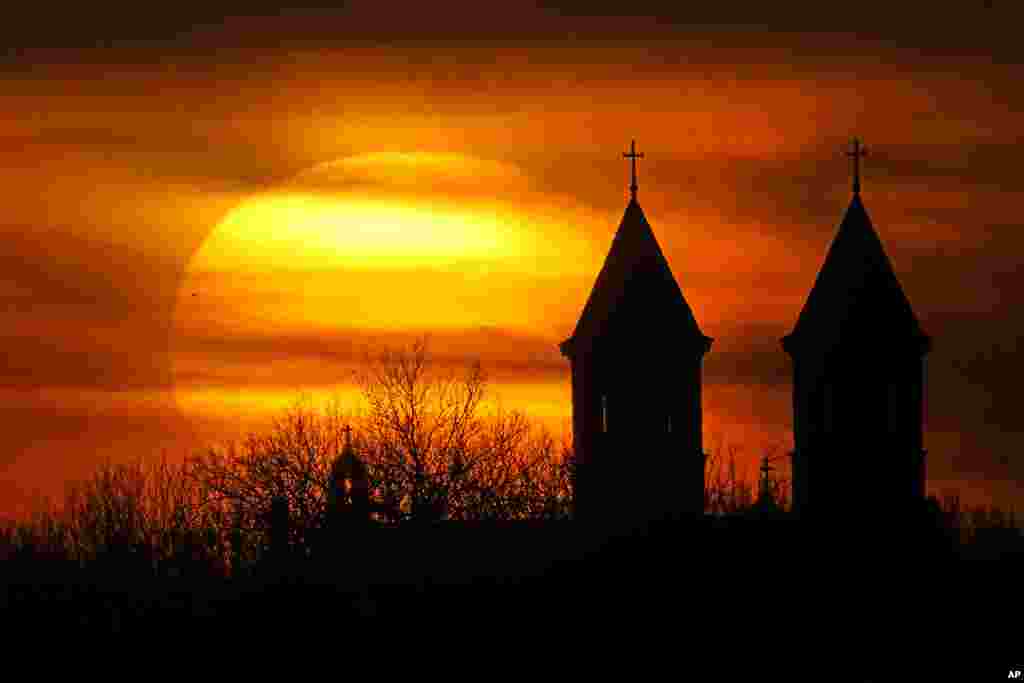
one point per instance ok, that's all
(320, 232)
(389, 241)
(387, 211)
(380, 243)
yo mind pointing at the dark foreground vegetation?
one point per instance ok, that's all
(422, 507)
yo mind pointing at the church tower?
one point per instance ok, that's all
(636, 358)
(858, 381)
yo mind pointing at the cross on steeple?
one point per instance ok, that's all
(856, 151)
(348, 436)
(632, 155)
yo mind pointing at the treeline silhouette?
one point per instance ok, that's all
(419, 502)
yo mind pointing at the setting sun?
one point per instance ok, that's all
(291, 231)
(355, 243)
(197, 231)
(503, 310)
(378, 244)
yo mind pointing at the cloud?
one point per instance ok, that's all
(415, 172)
(316, 357)
(118, 152)
(876, 26)
(69, 318)
(53, 437)
(217, 161)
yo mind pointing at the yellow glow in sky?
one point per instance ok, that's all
(388, 211)
(390, 241)
(319, 232)
(379, 242)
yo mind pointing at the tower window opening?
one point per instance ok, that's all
(604, 413)
(668, 424)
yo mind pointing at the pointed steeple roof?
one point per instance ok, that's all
(857, 298)
(636, 270)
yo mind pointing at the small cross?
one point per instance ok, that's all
(766, 471)
(348, 435)
(632, 155)
(856, 152)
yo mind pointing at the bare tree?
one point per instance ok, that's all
(420, 428)
(427, 451)
(284, 468)
(434, 455)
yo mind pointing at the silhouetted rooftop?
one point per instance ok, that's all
(857, 297)
(636, 264)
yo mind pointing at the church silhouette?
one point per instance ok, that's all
(857, 354)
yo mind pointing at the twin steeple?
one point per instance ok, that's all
(856, 298)
(858, 377)
(636, 356)
(635, 284)
(856, 294)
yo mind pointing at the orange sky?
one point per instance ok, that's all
(322, 191)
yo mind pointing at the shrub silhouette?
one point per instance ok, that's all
(166, 535)
(432, 455)
(428, 451)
